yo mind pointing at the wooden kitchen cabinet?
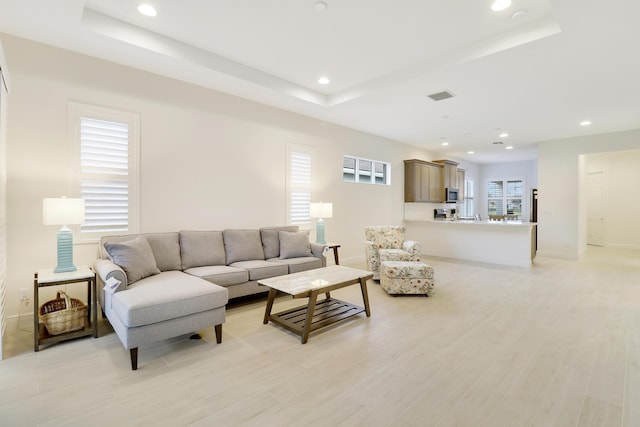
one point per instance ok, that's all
(450, 173)
(423, 181)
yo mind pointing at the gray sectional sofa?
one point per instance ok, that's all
(169, 284)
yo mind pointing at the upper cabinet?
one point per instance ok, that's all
(450, 173)
(423, 181)
(426, 181)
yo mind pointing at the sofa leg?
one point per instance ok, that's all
(218, 333)
(134, 358)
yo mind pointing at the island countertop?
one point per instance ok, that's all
(498, 242)
(476, 222)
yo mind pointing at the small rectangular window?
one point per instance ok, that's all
(355, 169)
(349, 169)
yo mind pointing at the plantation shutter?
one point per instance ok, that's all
(300, 187)
(104, 175)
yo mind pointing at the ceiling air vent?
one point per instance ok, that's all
(441, 95)
(497, 143)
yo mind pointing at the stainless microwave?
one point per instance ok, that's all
(451, 195)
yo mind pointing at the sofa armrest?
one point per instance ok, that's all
(317, 249)
(412, 246)
(106, 269)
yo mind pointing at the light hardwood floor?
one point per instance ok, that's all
(557, 344)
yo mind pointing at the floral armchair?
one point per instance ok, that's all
(386, 243)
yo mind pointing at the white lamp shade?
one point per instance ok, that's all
(321, 210)
(62, 211)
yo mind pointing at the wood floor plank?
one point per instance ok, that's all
(557, 344)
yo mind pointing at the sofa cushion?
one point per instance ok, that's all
(222, 275)
(168, 295)
(201, 248)
(166, 250)
(271, 240)
(242, 245)
(262, 269)
(134, 257)
(296, 265)
(294, 245)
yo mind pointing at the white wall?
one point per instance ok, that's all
(560, 202)
(208, 160)
(526, 170)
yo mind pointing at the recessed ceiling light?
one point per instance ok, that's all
(585, 123)
(499, 5)
(445, 143)
(518, 14)
(324, 80)
(504, 135)
(471, 152)
(509, 147)
(147, 10)
(320, 6)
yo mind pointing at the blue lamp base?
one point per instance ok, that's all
(320, 231)
(65, 251)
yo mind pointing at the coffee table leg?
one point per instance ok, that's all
(313, 297)
(267, 311)
(365, 296)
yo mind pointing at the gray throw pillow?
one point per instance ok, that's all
(242, 245)
(294, 245)
(271, 241)
(134, 257)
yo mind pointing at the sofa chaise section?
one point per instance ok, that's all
(154, 300)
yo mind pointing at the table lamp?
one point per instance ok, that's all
(321, 210)
(63, 211)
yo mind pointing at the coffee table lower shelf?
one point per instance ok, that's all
(327, 312)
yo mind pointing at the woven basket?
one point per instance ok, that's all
(63, 314)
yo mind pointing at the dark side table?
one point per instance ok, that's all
(334, 247)
(47, 277)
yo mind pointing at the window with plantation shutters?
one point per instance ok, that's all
(505, 197)
(104, 168)
(467, 208)
(105, 148)
(299, 162)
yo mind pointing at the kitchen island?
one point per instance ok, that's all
(498, 242)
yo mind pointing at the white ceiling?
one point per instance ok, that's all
(535, 77)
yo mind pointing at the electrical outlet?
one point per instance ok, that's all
(24, 296)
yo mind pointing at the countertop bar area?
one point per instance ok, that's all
(498, 242)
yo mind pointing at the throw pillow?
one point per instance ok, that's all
(294, 245)
(271, 241)
(134, 257)
(242, 245)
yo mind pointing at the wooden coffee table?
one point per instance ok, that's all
(308, 284)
